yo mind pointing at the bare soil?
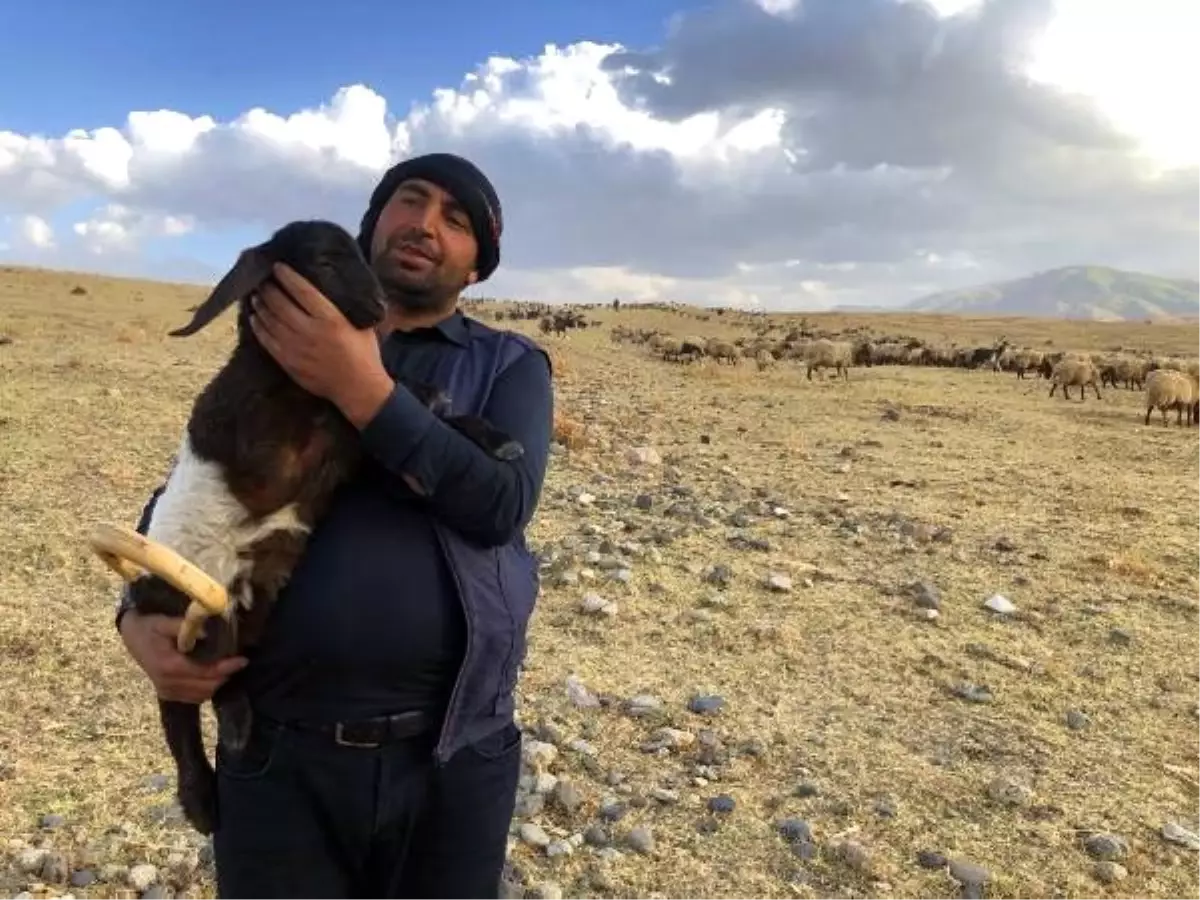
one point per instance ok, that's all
(978, 484)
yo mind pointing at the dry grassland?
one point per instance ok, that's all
(1086, 520)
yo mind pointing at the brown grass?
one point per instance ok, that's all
(839, 680)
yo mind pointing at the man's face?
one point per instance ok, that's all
(423, 248)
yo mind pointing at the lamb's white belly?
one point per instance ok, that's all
(199, 518)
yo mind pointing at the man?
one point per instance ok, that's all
(384, 760)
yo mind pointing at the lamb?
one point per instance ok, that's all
(825, 353)
(256, 468)
(1168, 389)
(1075, 371)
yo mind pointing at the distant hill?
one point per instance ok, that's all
(1074, 292)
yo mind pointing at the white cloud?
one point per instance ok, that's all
(33, 233)
(818, 158)
(117, 228)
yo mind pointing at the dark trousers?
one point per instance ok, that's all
(301, 816)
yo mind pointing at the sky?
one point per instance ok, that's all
(764, 154)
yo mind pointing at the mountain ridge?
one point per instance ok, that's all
(1100, 293)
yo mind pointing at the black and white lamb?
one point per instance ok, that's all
(258, 463)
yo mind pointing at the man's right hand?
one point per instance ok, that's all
(150, 640)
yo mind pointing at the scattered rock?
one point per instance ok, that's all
(722, 803)
(1000, 604)
(643, 456)
(1110, 847)
(1077, 720)
(1108, 872)
(641, 839)
(931, 859)
(970, 875)
(1177, 834)
(642, 705)
(534, 835)
(778, 582)
(579, 694)
(706, 704)
(142, 876)
(926, 595)
(1009, 792)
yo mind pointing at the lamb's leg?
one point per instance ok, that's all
(431, 397)
(197, 784)
(152, 595)
(235, 717)
(490, 438)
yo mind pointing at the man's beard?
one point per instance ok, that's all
(438, 288)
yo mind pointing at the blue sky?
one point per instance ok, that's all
(802, 154)
(96, 62)
(88, 64)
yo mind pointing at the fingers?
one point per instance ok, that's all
(194, 683)
(175, 675)
(308, 297)
(281, 316)
(177, 665)
(268, 340)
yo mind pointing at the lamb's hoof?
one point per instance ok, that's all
(198, 798)
(235, 732)
(509, 451)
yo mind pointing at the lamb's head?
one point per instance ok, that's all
(322, 252)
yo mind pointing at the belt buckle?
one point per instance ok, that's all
(338, 738)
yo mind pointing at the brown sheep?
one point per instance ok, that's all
(1075, 371)
(1169, 389)
(825, 353)
(721, 351)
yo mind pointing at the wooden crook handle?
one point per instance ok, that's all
(131, 554)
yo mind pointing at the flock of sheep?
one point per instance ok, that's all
(1169, 383)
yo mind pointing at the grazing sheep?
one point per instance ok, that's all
(1075, 371)
(721, 351)
(824, 353)
(1170, 389)
(692, 349)
(668, 347)
(257, 464)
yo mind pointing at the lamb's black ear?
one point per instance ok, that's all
(252, 268)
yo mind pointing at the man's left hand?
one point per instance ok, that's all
(318, 347)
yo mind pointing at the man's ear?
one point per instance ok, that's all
(472, 277)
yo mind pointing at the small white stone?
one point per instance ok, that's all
(998, 603)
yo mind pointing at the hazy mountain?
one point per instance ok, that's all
(1074, 292)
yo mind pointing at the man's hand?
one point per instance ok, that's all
(319, 348)
(150, 640)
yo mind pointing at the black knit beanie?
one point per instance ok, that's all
(465, 182)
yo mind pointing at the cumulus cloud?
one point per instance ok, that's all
(770, 153)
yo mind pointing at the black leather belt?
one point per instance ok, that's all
(376, 732)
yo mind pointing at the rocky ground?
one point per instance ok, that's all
(924, 633)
